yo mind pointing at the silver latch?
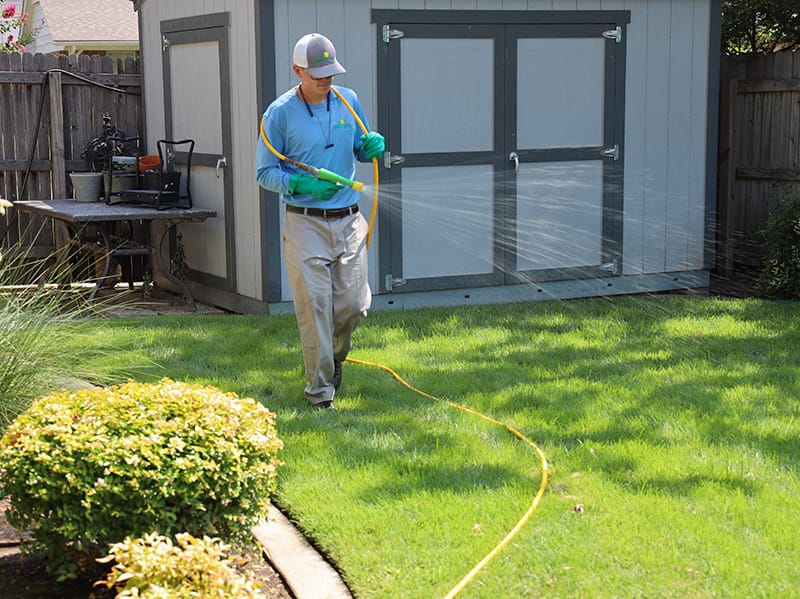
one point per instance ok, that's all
(389, 160)
(614, 34)
(222, 162)
(612, 152)
(612, 267)
(390, 282)
(164, 43)
(514, 157)
(391, 34)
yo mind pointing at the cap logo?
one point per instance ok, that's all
(325, 58)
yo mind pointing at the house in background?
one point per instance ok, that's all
(104, 27)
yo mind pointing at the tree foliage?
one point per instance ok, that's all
(760, 26)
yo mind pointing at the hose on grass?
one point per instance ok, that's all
(522, 521)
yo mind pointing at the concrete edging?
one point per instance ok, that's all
(305, 572)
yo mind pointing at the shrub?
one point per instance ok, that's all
(153, 567)
(89, 468)
(780, 274)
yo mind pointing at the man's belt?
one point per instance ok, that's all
(326, 213)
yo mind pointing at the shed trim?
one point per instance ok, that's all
(222, 19)
(269, 211)
(712, 133)
(498, 17)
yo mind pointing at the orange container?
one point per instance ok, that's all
(150, 162)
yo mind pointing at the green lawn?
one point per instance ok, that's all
(673, 421)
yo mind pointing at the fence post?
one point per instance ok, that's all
(57, 170)
(727, 177)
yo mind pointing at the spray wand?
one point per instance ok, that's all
(319, 173)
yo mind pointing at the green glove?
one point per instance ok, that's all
(301, 184)
(372, 145)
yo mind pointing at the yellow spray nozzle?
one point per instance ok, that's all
(327, 175)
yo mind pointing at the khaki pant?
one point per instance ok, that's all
(326, 263)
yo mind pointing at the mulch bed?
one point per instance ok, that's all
(26, 577)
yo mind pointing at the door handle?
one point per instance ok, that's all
(515, 157)
(222, 162)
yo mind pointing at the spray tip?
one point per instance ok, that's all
(327, 175)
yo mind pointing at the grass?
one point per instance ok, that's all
(673, 421)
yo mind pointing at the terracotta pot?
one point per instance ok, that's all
(151, 162)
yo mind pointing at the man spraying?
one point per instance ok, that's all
(324, 234)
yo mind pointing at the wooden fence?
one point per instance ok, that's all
(51, 107)
(759, 151)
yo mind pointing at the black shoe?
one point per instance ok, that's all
(336, 379)
(325, 405)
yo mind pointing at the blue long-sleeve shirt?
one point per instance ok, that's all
(299, 136)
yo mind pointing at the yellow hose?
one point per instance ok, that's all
(543, 485)
(374, 160)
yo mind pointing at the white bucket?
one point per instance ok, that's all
(86, 187)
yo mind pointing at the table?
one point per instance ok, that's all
(105, 215)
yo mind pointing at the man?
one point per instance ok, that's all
(324, 234)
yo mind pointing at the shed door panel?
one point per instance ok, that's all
(448, 216)
(196, 89)
(439, 230)
(560, 209)
(559, 91)
(447, 206)
(436, 85)
(559, 216)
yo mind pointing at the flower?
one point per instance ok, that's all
(13, 30)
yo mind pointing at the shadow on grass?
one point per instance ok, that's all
(600, 371)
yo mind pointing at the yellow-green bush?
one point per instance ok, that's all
(153, 567)
(90, 468)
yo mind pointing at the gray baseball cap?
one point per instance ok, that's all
(315, 53)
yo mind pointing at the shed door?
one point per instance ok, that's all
(507, 153)
(197, 106)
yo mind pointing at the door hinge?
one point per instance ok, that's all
(391, 34)
(614, 34)
(390, 282)
(612, 152)
(389, 160)
(612, 267)
(164, 43)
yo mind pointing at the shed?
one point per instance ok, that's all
(535, 148)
